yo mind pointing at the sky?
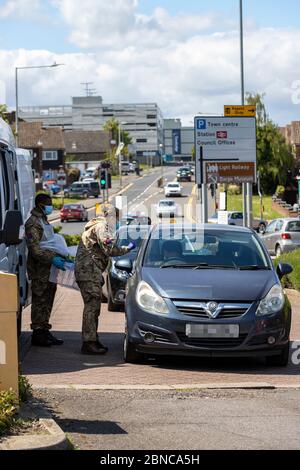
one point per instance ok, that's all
(184, 55)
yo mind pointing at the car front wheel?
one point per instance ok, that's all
(282, 359)
(130, 354)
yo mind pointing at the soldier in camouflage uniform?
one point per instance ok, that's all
(92, 258)
(38, 267)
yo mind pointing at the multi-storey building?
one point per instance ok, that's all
(143, 121)
(178, 140)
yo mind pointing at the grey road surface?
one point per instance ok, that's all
(179, 419)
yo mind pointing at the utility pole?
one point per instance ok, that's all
(247, 187)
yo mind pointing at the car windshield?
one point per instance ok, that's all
(173, 185)
(132, 233)
(209, 248)
(72, 206)
(166, 203)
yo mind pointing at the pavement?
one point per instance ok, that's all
(64, 366)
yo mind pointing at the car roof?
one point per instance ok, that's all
(208, 227)
(125, 228)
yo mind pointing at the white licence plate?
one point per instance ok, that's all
(212, 331)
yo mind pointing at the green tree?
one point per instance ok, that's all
(113, 125)
(275, 159)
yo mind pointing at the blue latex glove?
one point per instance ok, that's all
(59, 263)
(131, 246)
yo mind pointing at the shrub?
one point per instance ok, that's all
(234, 190)
(72, 240)
(8, 409)
(280, 190)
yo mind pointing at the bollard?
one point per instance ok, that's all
(8, 332)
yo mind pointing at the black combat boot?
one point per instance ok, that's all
(55, 341)
(92, 348)
(100, 345)
(40, 338)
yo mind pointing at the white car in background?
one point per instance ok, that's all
(167, 208)
(173, 189)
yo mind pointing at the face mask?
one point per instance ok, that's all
(48, 210)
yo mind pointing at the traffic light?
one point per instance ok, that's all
(105, 180)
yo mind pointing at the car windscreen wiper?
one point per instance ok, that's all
(214, 266)
(198, 266)
(164, 266)
(254, 267)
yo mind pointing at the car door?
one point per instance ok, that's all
(276, 236)
(267, 237)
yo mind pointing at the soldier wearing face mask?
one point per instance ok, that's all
(39, 263)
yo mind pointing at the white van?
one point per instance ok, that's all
(17, 193)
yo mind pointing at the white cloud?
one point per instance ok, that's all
(19, 8)
(118, 24)
(175, 61)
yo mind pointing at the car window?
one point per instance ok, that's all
(279, 225)
(208, 248)
(173, 185)
(72, 206)
(94, 185)
(130, 234)
(166, 203)
(271, 227)
(293, 226)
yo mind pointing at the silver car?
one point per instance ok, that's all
(236, 218)
(282, 236)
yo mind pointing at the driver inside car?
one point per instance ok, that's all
(172, 250)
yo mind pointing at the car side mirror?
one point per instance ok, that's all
(283, 269)
(13, 229)
(124, 265)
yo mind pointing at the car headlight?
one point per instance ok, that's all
(148, 300)
(272, 303)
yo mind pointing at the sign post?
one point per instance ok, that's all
(225, 152)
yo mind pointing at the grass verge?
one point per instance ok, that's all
(293, 279)
(235, 203)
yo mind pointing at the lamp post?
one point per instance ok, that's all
(17, 90)
(120, 151)
(161, 147)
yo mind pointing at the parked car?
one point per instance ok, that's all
(166, 208)
(116, 279)
(73, 212)
(82, 189)
(282, 236)
(236, 218)
(173, 189)
(184, 174)
(208, 291)
(53, 187)
(135, 219)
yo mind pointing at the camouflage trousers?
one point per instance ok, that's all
(91, 293)
(43, 294)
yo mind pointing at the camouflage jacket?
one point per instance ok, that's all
(39, 260)
(93, 253)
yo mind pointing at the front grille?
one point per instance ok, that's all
(197, 309)
(212, 343)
